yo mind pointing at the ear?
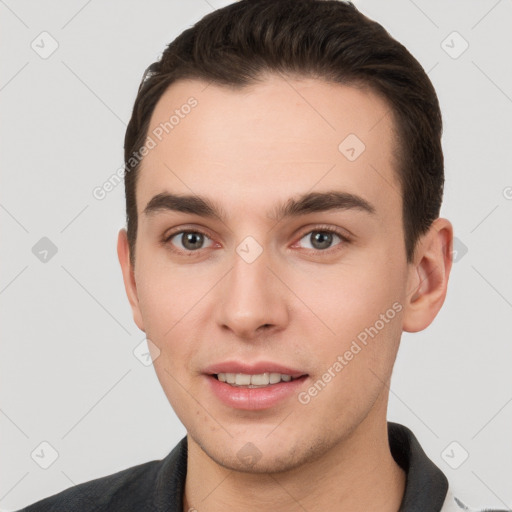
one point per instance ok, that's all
(428, 276)
(123, 253)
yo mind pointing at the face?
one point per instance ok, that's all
(288, 257)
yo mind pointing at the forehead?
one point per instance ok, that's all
(268, 141)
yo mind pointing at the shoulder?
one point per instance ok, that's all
(100, 493)
(142, 487)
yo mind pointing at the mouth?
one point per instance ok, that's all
(264, 390)
(254, 381)
(254, 385)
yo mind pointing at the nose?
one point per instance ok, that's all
(252, 301)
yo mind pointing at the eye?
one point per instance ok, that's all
(188, 241)
(322, 239)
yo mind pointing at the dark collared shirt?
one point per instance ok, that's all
(158, 486)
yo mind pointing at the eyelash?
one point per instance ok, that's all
(322, 229)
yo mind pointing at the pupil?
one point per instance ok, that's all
(192, 240)
(321, 239)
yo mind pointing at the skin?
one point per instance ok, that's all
(296, 304)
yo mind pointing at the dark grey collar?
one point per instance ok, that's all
(426, 486)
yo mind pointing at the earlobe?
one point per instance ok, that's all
(428, 276)
(123, 254)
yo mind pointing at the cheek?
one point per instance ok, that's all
(166, 304)
(164, 313)
(173, 301)
(358, 311)
(166, 294)
(355, 358)
(343, 301)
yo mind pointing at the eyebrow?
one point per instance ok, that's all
(306, 203)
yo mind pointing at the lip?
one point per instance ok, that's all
(252, 368)
(253, 399)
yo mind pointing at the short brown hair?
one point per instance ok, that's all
(327, 39)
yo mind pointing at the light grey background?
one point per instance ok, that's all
(68, 373)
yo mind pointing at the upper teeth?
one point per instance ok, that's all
(261, 379)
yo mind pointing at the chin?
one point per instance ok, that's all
(260, 454)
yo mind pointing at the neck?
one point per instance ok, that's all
(357, 474)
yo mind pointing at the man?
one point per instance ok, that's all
(284, 177)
